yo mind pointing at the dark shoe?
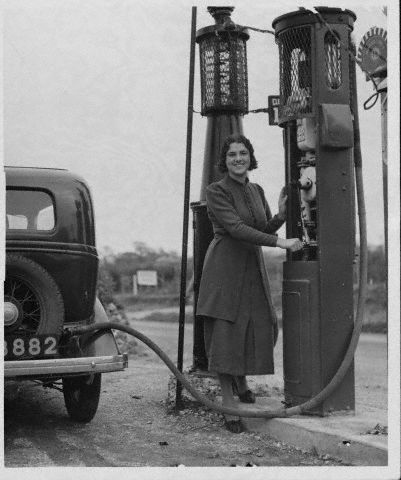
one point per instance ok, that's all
(234, 426)
(247, 397)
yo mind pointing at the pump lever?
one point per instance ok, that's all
(305, 183)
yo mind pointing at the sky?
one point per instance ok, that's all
(100, 87)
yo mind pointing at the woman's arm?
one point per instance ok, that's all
(220, 206)
(273, 223)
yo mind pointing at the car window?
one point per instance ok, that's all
(30, 210)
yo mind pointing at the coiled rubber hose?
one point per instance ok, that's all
(349, 355)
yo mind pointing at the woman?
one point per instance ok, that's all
(234, 297)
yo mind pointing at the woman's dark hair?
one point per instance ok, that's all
(236, 138)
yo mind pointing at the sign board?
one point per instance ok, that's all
(273, 104)
(147, 278)
(372, 51)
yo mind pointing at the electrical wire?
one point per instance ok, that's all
(366, 104)
(272, 32)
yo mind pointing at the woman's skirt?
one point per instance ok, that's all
(243, 347)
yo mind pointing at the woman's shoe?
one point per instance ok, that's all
(247, 397)
(234, 426)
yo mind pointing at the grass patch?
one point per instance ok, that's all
(374, 319)
(167, 317)
(374, 322)
(146, 302)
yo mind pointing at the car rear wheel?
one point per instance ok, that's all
(32, 300)
(81, 396)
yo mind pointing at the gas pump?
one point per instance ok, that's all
(224, 101)
(317, 119)
(316, 115)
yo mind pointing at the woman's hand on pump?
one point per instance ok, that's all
(292, 244)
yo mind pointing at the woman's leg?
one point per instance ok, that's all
(232, 422)
(242, 384)
(226, 384)
(244, 393)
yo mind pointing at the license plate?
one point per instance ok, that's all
(21, 347)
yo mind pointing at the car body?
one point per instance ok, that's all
(50, 286)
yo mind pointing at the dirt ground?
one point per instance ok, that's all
(133, 426)
(133, 429)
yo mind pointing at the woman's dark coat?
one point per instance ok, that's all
(242, 222)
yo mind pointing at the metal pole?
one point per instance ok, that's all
(383, 98)
(178, 399)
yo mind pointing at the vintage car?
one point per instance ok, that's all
(50, 286)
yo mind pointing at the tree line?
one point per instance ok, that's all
(116, 270)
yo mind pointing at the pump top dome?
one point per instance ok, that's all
(220, 14)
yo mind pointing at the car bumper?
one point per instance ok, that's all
(60, 367)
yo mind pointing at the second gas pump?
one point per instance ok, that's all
(316, 114)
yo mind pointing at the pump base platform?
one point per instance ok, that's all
(341, 436)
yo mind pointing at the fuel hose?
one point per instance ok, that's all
(349, 355)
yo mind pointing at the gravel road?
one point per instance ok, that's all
(132, 427)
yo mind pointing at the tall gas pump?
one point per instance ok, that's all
(224, 101)
(316, 115)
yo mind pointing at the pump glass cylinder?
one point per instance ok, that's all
(223, 69)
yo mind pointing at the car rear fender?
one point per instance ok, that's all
(105, 344)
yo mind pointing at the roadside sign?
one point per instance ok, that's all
(273, 102)
(146, 278)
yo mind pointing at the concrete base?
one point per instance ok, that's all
(341, 436)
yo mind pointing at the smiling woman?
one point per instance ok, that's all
(238, 161)
(235, 150)
(240, 326)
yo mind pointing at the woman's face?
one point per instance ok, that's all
(238, 160)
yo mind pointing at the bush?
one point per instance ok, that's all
(105, 286)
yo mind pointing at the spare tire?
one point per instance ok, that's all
(33, 299)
